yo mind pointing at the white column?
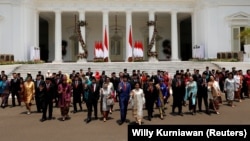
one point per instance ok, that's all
(128, 50)
(151, 32)
(36, 31)
(83, 33)
(36, 36)
(58, 37)
(105, 22)
(174, 36)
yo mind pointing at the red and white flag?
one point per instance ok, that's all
(130, 41)
(136, 49)
(140, 49)
(98, 52)
(105, 43)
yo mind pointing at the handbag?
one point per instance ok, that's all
(110, 101)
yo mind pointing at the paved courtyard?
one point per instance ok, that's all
(16, 125)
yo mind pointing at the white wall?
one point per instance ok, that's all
(6, 29)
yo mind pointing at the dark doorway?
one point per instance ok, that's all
(44, 39)
(186, 39)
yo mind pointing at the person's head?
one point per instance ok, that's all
(93, 80)
(14, 75)
(204, 75)
(137, 85)
(125, 78)
(64, 79)
(191, 78)
(41, 86)
(107, 79)
(5, 77)
(38, 77)
(178, 76)
(47, 80)
(105, 85)
(29, 78)
(211, 78)
(230, 75)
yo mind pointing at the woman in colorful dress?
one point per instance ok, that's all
(5, 91)
(112, 89)
(238, 80)
(105, 95)
(64, 91)
(29, 93)
(213, 94)
(230, 88)
(137, 100)
(191, 94)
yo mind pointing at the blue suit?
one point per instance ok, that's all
(124, 94)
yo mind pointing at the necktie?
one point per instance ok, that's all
(125, 87)
(76, 83)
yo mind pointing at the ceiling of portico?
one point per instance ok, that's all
(121, 15)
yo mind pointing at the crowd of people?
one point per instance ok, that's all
(139, 89)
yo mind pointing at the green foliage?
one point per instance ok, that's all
(20, 62)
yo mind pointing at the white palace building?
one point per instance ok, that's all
(118, 30)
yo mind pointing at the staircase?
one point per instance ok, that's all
(149, 67)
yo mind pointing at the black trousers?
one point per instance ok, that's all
(90, 105)
(177, 102)
(75, 101)
(45, 106)
(200, 98)
(15, 95)
(38, 104)
(150, 107)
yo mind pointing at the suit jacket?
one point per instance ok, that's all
(15, 85)
(124, 92)
(115, 81)
(202, 88)
(37, 83)
(91, 94)
(178, 90)
(50, 91)
(77, 89)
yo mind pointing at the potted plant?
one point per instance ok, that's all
(245, 34)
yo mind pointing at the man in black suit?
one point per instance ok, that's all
(37, 97)
(202, 92)
(89, 73)
(115, 80)
(77, 92)
(178, 87)
(91, 97)
(15, 89)
(47, 99)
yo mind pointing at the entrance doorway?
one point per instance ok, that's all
(186, 39)
(44, 39)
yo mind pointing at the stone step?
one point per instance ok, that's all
(149, 67)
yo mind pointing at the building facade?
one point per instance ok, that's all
(173, 29)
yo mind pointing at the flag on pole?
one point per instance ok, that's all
(130, 40)
(95, 50)
(100, 47)
(105, 43)
(140, 49)
(136, 49)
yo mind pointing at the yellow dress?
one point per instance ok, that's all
(29, 91)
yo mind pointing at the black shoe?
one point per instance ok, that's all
(88, 120)
(181, 114)
(149, 118)
(42, 120)
(121, 122)
(75, 111)
(96, 118)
